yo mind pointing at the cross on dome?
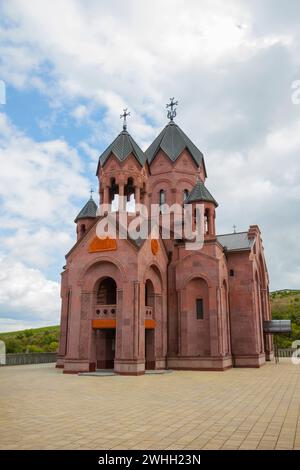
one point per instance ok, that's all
(172, 111)
(124, 116)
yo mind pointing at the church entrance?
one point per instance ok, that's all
(149, 349)
(106, 342)
(106, 308)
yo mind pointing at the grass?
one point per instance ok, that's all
(285, 305)
(33, 340)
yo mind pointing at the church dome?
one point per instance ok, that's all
(200, 193)
(89, 211)
(122, 147)
(172, 140)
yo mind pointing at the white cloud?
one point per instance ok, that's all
(26, 296)
(118, 55)
(40, 183)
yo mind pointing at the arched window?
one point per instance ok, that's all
(149, 292)
(206, 221)
(162, 197)
(130, 196)
(129, 189)
(114, 194)
(185, 194)
(107, 292)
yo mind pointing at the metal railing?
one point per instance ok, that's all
(286, 352)
(29, 358)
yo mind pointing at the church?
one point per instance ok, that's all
(131, 305)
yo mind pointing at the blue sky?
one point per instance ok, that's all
(70, 67)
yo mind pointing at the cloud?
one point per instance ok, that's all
(26, 296)
(41, 186)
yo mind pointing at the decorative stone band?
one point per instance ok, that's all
(111, 323)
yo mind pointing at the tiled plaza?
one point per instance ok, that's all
(40, 408)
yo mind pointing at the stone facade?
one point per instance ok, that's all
(131, 306)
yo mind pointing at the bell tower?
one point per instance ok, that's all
(122, 171)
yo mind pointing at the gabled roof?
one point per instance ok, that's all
(122, 147)
(200, 193)
(172, 140)
(236, 241)
(88, 211)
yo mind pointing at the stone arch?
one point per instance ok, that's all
(120, 269)
(197, 275)
(153, 273)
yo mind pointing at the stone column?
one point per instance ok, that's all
(106, 195)
(137, 192)
(122, 204)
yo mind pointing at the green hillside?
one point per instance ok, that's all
(285, 304)
(33, 340)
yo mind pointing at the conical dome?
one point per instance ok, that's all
(89, 211)
(200, 193)
(172, 140)
(122, 147)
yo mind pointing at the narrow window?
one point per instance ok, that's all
(162, 197)
(231, 272)
(162, 200)
(185, 194)
(199, 309)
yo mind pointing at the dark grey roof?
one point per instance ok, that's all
(236, 241)
(121, 147)
(88, 211)
(200, 193)
(172, 140)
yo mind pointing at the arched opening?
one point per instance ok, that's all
(106, 337)
(129, 189)
(149, 293)
(114, 195)
(206, 222)
(185, 195)
(107, 292)
(162, 197)
(149, 333)
(153, 316)
(129, 192)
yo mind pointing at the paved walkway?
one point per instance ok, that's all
(40, 408)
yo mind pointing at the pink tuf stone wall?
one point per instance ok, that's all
(153, 323)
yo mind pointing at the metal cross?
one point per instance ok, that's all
(91, 192)
(124, 116)
(234, 228)
(172, 111)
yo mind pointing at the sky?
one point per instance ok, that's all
(68, 68)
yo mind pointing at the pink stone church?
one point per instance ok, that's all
(132, 305)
